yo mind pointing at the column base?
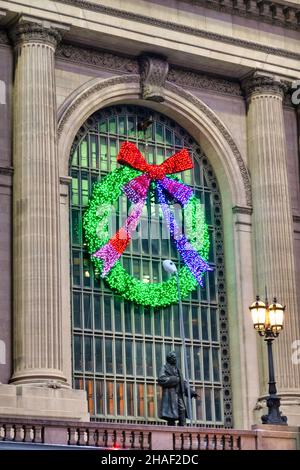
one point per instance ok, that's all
(34, 401)
(289, 407)
(43, 377)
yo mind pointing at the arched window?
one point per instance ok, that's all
(118, 346)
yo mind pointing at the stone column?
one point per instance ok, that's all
(36, 221)
(273, 251)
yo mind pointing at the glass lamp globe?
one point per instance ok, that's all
(276, 316)
(259, 314)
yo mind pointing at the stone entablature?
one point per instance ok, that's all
(274, 12)
(126, 65)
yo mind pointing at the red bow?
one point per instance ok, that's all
(130, 155)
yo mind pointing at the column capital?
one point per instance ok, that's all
(259, 83)
(32, 30)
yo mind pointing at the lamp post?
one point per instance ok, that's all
(268, 321)
(171, 268)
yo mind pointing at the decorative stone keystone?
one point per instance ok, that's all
(153, 72)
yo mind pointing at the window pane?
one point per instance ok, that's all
(216, 370)
(149, 359)
(195, 324)
(147, 320)
(119, 357)
(158, 357)
(120, 398)
(204, 323)
(157, 322)
(97, 313)
(218, 406)
(98, 354)
(99, 397)
(118, 319)
(208, 404)
(167, 321)
(107, 312)
(127, 317)
(130, 405)
(137, 319)
(87, 311)
(150, 401)
(110, 398)
(197, 362)
(140, 399)
(88, 353)
(78, 363)
(214, 324)
(206, 364)
(139, 358)
(77, 310)
(108, 356)
(128, 347)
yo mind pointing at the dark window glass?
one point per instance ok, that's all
(206, 363)
(139, 358)
(88, 353)
(119, 357)
(108, 356)
(87, 311)
(149, 359)
(97, 313)
(128, 346)
(77, 310)
(98, 354)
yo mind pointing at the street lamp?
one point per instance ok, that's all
(171, 268)
(268, 321)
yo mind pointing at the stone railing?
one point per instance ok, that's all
(144, 437)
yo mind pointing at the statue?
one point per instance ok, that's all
(174, 390)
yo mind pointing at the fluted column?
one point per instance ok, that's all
(272, 218)
(37, 278)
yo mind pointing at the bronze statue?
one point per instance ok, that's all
(174, 390)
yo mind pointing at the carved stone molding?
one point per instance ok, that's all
(153, 72)
(242, 210)
(65, 115)
(259, 83)
(204, 82)
(187, 29)
(95, 58)
(28, 32)
(227, 136)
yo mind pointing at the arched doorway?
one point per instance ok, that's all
(119, 347)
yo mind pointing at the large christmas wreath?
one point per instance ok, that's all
(135, 178)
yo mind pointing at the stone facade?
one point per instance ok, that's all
(222, 70)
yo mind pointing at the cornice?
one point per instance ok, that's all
(272, 12)
(126, 65)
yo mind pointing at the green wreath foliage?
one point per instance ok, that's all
(96, 225)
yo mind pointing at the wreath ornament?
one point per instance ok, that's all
(134, 179)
